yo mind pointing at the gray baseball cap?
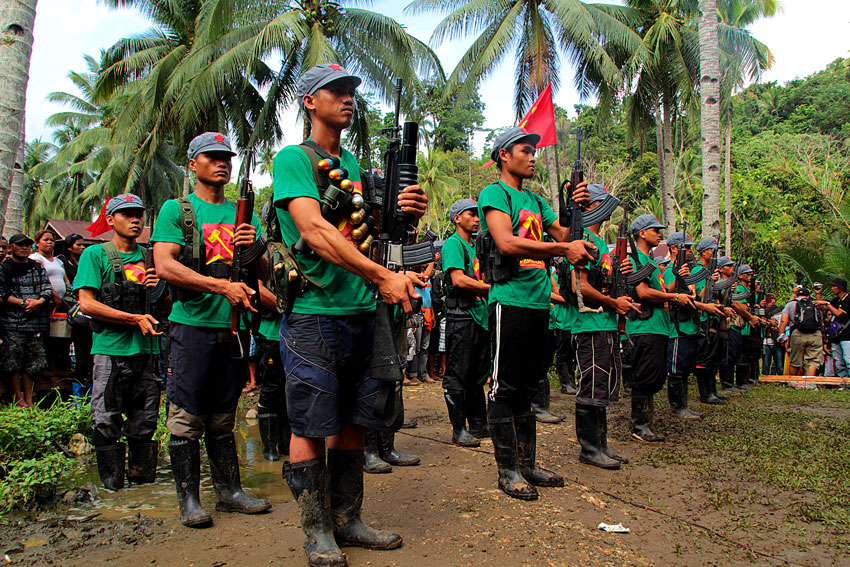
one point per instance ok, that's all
(123, 202)
(460, 206)
(322, 75)
(608, 203)
(744, 269)
(644, 222)
(706, 243)
(510, 136)
(209, 142)
(662, 260)
(679, 239)
(21, 239)
(724, 261)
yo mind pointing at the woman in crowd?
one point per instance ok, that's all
(80, 336)
(57, 348)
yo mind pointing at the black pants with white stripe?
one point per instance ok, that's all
(599, 367)
(518, 346)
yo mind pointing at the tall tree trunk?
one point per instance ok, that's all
(668, 196)
(14, 219)
(659, 149)
(552, 177)
(17, 18)
(727, 174)
(710, 116)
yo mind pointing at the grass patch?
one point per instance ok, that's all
(31, 465)
(772, 436)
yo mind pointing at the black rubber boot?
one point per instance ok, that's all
(460, 435)
(186, 467)
(309, 485)
(224, 465)
(373, 463)
(589, 434)
(540, 405)
(742, 377)
(110, 465)
(386, 445)
(269, 435)
(706, 393)
(141, 461)
(475, 404)
(712, 381)
(525, 425)
(642, 419)
(727, 380)
(504, 438)
(345, 475)
(602, 417)
(568, 383)
(677, 394)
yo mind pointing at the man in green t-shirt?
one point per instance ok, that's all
(650, 330)
(467, 339)
(124, 345)
(596, 338)
(206, 382)
(683, 346)
(518, 309)
(708, 351)
(729, 347)
(748, 335)
(327, 340)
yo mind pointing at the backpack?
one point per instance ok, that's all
(807, 316)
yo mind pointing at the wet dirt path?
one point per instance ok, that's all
(450, 511)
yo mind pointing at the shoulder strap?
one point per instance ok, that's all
(190, 230)
(114, 258)
(314, 154)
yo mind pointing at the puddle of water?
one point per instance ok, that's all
(260, 478)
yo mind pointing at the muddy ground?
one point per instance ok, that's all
(450, 511)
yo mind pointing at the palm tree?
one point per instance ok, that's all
(709, 81)
(33, 209)
(17, 18)
(441, 188)
(539, 33)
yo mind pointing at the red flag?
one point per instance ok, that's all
(99, 226)
(540, 119)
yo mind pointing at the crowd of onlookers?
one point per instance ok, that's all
(36, 286)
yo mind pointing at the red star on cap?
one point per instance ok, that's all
(128, 198)
(219, 138)
(335, 67)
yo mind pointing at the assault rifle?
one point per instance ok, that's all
(243, 268)
(620, 286)
(396, 249)
(570, 215)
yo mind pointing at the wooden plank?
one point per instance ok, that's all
(820, 380)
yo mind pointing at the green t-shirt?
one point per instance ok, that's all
(95, 270)
(216, 226)
(607, 320)
(557, 311)
(455, 259)
(691, 325)
(659, 322)
(270, 328)
(342, 292)
(530, 216)
(740, 288)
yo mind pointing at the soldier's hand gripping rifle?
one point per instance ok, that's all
(243, 269)
(570, 216)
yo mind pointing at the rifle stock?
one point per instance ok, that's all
(242, 272)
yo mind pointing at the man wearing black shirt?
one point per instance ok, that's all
(840, 309)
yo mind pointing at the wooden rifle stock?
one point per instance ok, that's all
(239, 272)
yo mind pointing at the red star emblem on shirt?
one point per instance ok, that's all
(219, 138)
(335, 67)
